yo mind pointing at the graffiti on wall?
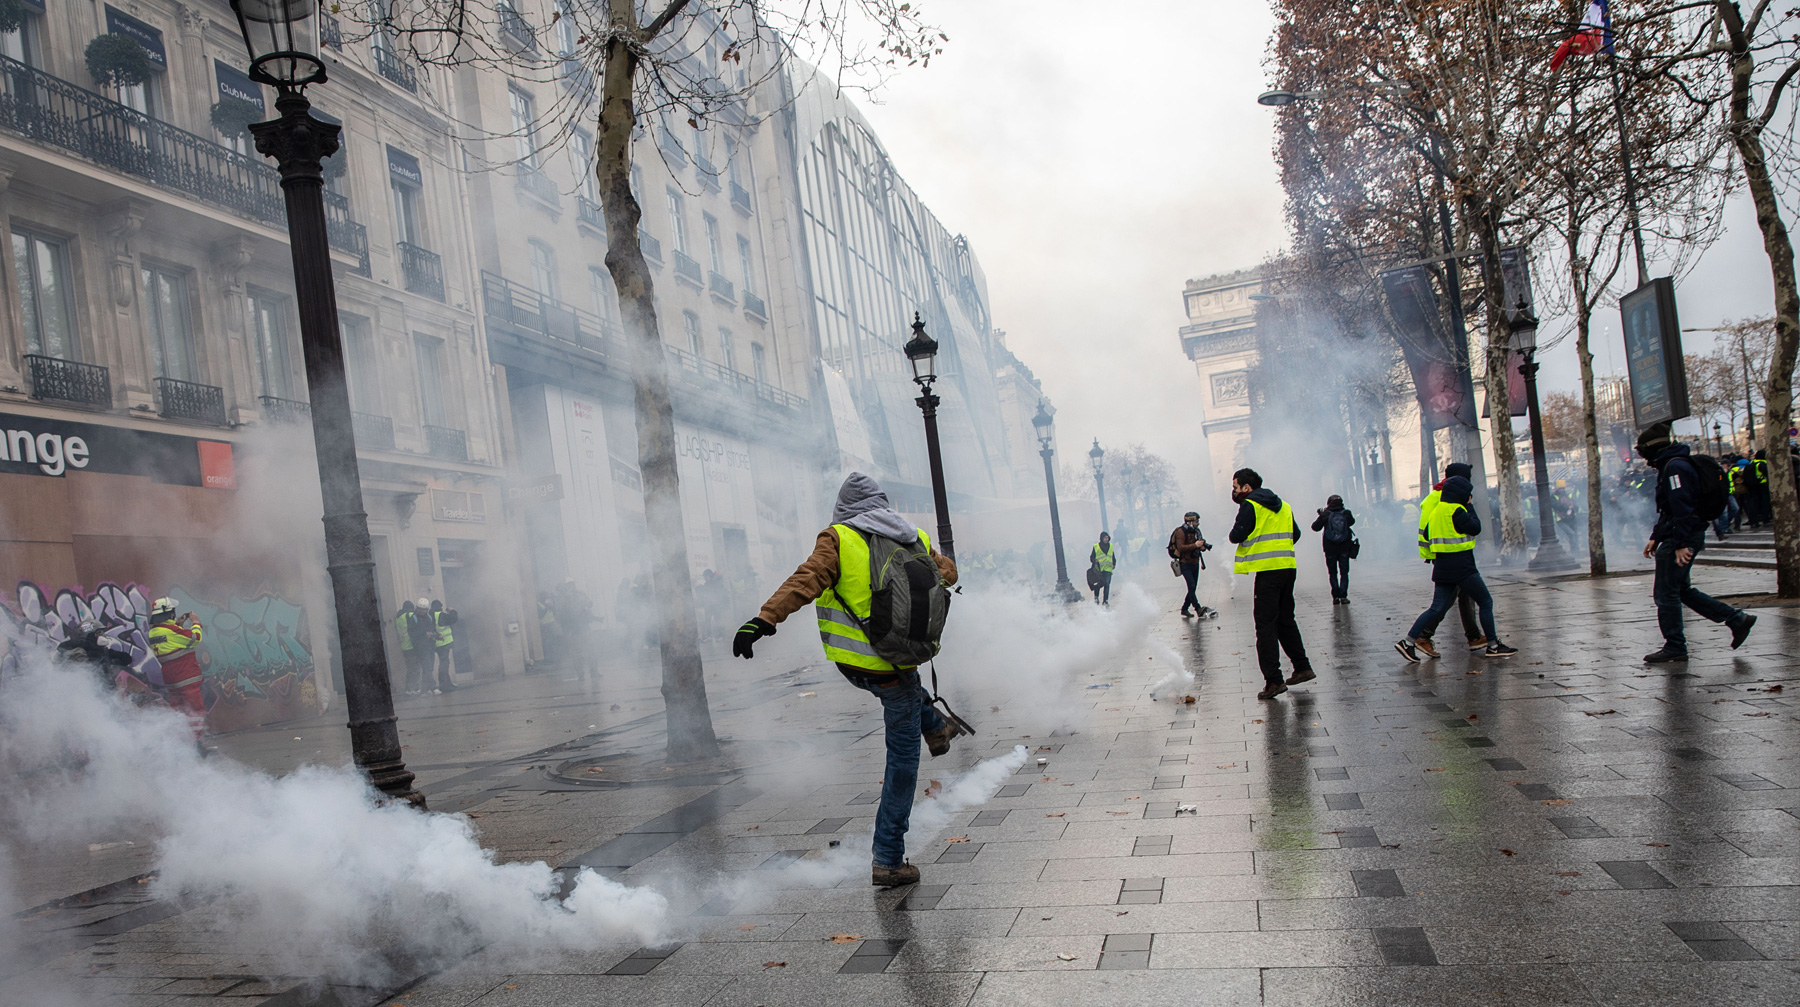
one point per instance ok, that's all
(252, 651)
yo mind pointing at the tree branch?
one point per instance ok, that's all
(661, 21)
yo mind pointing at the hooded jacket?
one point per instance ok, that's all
(1335, 548)
(1246, 515)
(1677, 499)
(1452, 567)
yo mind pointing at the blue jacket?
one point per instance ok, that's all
(1677, 499)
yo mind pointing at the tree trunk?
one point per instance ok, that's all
(1513, 539)
(1778, 387)
(1590, 426)
(690, 729)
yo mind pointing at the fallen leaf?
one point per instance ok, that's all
(774, 965)
(1390, 846)
(1473, 671)
(474, 814)
(1066, 958)
(1658, 845)
(1598, 713)
(751, 828)
(957, 839)
(1256, 722)
(1059, 814)
(993, 709)
(1473, 716)
(844, 938)
(1556, 803)
(1134, 798)
(806, 694)
(1187, 700)
(1121, 814)
(1773, 688)
(748, 926)
(1568, 874)
(1765, 713)
(1117, 912)
(1508, 852)
(1565, 891)
(1435, 769)
(1051, 779)
(933, 788)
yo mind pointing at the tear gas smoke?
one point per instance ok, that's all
(1178, 680)
(307, 868)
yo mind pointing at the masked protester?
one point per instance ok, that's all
(1265, 533)
(1335, 521)
(1186, 543)
(1451, 533)
(1101, 563)
(1679, 534)
(1465, 608)
(837, 577)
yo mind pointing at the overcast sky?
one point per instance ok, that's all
(1098, 157)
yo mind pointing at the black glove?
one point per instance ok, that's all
(748, 634)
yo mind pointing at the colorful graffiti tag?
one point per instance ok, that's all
(254, 654)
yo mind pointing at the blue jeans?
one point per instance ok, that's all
(1722, 524)
(1673, 589)
(909, 715)
(1445, 596)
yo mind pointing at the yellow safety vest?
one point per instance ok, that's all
(1444, 536)
(1270, 545)
(1426, 506)
(1104, 561)
(444, 639)
(403, 627)
(844, 640)
(168, 641)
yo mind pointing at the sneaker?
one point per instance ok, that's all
(437, 692)
(1345, 600)
(1409, 650)
(1185, 614)
(1301, 676)
(1271, 690)
(1479, 643)
(1665, 656)
(1426, 648)
(1499, 650)
(938, 742)
(1741, 631)
(893, 877)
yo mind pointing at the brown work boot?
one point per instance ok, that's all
(1301, 675)
(1425, 647)
(938, 742)
(1478, 643)
(893, 877)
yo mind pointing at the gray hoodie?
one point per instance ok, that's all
(862, 505)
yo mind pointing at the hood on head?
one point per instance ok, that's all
(1459, 469)
(1458, 490)
(1265, 496)
(862, 505)
(1334, 503)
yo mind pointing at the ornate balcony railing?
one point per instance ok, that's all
(330, 32)
(704, 170)
(515, 29)
(57, 113)
(688, 268)
(446, 443)
(372, 431)
(721, 288)
(651, 247)
(421, 270)
(389, 64)
(521, 307)
(69, 381)
(743, 384)
(538, 184)
(753, 305)
(280, 410)
(589, 213)
(740, 198)
(671, 148)
(189, 400)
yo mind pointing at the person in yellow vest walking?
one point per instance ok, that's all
(1265, 533)
(1451, 534)
(837, 577)
(1465, 608)
(1101, 563)
(441, 620)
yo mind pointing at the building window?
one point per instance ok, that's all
(715, 254)
(746, 264)
(734, 165)
(637, 185)
(269, 330)
(759, 363)
(168, 318)
(543, 269)
(361, 369)
(601, 284)
(524, 124)
(727, 351)
(581, 144)
(409, 219)
(567, 38)
(691, 322)
(677, 231)
(430, 355)
(46, 298)
(21, 43)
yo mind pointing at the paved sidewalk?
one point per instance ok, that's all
(1564, 827)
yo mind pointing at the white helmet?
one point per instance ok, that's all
(162, 608)
(423, 603)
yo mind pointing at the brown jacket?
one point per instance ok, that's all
(1184, 545)
(819, 574)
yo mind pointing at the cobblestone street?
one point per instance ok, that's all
(1564, 827)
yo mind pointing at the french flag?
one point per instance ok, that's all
(1594, 35)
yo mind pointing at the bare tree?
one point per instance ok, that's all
(696, 61)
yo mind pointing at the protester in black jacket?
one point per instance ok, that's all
(1335, 520)
(1453, 570)
(1680, 532)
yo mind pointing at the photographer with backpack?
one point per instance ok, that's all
(1335, 521)
(881, 594)
(1690, 492)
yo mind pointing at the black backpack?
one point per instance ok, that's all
(1713, 490)
(910, 602)
(1337, 526)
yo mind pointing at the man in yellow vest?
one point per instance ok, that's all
(1103, 561)
(1451, 534)
(441, 620)
(1465, 608)
(413, 652)
(1265, 534)
(836, 577)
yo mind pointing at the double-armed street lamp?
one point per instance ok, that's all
(282, 38)
(1046, 435)
(1098, 455)
(921, 350)
(1550, 553)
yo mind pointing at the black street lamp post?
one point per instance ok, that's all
(1550, 553)
(1718, 439)
(1098, 454)
(921, 349)
(1046, 435)
(276, 33)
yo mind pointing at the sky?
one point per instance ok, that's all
(1092, 187)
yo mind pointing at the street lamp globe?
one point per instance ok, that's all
(1098, 454)
(1046, 426)
(1277, 98)
(921, 349)
(1524, 326)
(283, 47)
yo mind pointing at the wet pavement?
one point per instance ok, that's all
(1562, 827)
